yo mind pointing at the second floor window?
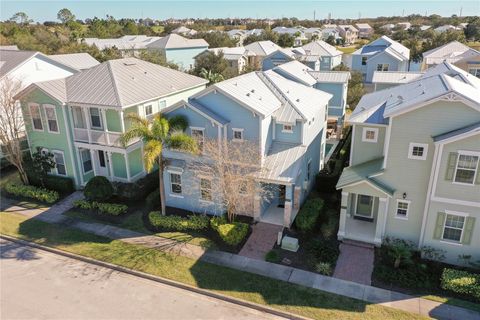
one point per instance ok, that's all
(466, 169)
(402, 208)
(95, 118)
(417, 151)
(237, 134)
(370, 135)
(364, 61)
(36, 117)
(176, 183)
(382, 67)
(287, 128)
(197, 134)
(51, 118)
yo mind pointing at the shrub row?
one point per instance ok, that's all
(153, 199)
(63, 185)
(111, 209)
(33, 192)
(135, 191)
(308, 215)
(462, 282)
(232, 233)
(177, 223)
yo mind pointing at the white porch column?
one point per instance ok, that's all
(105, 128)
(80, 165)
(287, 214)
(94, 162)
(381, 220)
(125, 155)
(87, 122)
(122, 123)
(343, 215)
(110, 165)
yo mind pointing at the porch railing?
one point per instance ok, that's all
(99, 137)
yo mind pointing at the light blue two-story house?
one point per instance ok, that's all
(285, 119)
(383, 54)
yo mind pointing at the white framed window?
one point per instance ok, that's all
(364, 206)
(199, 135)
(383, 67)
(466, 167)
(86, 160)
(36, 117)
(402, 209)
(453, 227)
(59, 158)
(95, 118)
(162, 104)
(148, 110)
(237, 134)
(370, 135)
(287, 128)
(78, 118)
(52, 123)
(417, 151)
(206, 189)
(474, 71)
(175, 183)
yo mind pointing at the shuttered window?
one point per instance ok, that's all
(466, 168)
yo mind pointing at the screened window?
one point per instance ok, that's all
(51, 118)
(176, 183)
(206, 189)
(453, 227)
(78, 117)
(364, 206)
(466, 168)
(36, 117)
(475, 72)
(60, 163)
(86, 160)
(370, 134)
(95, 118)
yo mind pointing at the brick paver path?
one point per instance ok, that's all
(355, 263)
(262, 240)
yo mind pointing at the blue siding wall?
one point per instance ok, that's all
(274, 60)
(357, 63)
(326, 63)
(196, 120)
(295, 136)
(184, 57)
(382, 58)
(336, 89)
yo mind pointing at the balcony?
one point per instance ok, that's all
(99, 137)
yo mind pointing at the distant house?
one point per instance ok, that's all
(179, 50)
(404, 25)
(388, 26)
(365, 31)
(447, 27)
(328, 56)
(260, 50)
(129, 45)
(184, 31)
(237, 57)
(237, 34)
(349, 33)
(313, 33)
(452, 52)
(297, 32)
(386, 79)
(328, 32)
(383, 54)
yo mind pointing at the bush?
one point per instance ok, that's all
(307, 217)
(231, 233)
(322, 251)
(177, 223)
(98, 188)
(63, 185)
(32, 192)
(324, 268)
(111, 209)
(153, 199)
(136, 191)
(272, 256)
(462, 282)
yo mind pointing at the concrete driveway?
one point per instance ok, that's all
(43, 285)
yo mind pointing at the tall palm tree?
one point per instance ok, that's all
(157, 134)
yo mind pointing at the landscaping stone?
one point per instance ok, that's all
(290, 244)
(286, 261)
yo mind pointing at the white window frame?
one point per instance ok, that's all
(171, 193)
(30, 105)
(458, 214)
(50, 106)
(408, 202)
(364, 135)
(198, 129)
(99, 117)
(287, 128)
(211, 193)
(237, 130)
(418, 145)
(151, 109)
(356, 206)
(162, 104)
(467, 153)
(383, 67)
(64, 163)
(474, 71)
(83, 160)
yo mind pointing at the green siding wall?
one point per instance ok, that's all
(119, 167)
(113, 121)
(365, 151)
(135, 161)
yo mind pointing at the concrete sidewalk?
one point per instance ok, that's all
(276, 271)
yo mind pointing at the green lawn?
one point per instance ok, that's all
(277, 294)
(157, 29)
(133, 221)
(347, 50)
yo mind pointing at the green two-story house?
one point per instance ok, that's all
(81, 118)
(414, 169)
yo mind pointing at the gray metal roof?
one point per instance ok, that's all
(262, 48)
(174, 41)
(79, 61)
(9, 47)
(330, 76)
(55, 88)
(11, 59)
(283, 162)
(458, 132)
(297, 70)
(321, 48)
(395, 76)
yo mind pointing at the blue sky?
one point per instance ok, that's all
(47, 10)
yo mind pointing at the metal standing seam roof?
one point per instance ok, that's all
(175, 41)
(262, 48)
(394, 48)
(458, 132)
(321, 48)
(55, 88)
(395, 76)
(297, 70)
(9, 47)
(11, 59)
(79, 61)
(330, 76)
(283, 162)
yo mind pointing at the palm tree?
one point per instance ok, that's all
(211, 76)
(157, 134)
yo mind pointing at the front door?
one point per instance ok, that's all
(102, 163)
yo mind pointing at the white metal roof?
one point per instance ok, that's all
(385, 44)
(321, 48)
(127, 42)
(395, 76)
(330, 76)
(450, 52)
(174, 41)
(262, 48)
(296, 70)
(78, 61)
(283, 162)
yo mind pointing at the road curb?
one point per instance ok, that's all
(158, 279)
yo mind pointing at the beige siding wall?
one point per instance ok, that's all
(365, 151)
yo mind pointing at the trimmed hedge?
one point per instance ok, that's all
(177, 223)
(99, 188)
(308, 215)
(153, 199)
(63, 185)
(32, 192)
(231, 233)
(111, 209)
(136, 191)
(462, 282)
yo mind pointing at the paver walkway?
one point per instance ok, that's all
(355, 263)
(263, 238)
(276, 271)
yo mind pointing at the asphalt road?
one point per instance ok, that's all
(42, 285)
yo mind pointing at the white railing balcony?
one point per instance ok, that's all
(99, 137)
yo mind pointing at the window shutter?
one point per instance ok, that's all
(467, 232)
(437, 234)
(452, 162)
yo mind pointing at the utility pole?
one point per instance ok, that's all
(314, 15)
(461, 9)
